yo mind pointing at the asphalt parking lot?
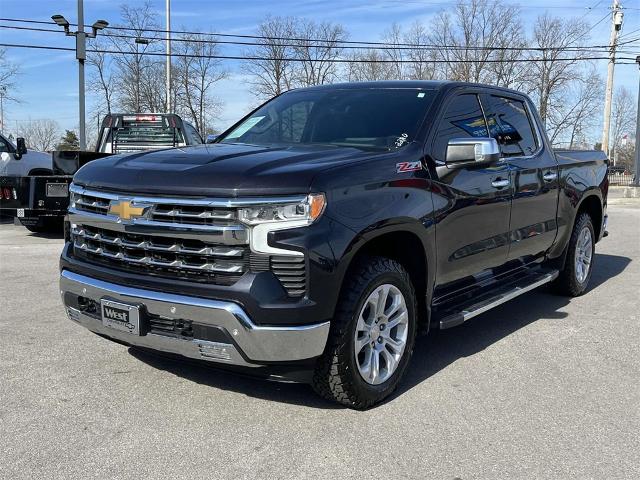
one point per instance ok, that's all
(543, 387)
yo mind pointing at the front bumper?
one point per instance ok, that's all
(241, 342)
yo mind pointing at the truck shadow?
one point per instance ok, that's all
(431, 354)
(435, 352)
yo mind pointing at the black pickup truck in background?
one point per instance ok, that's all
(316, 237)
(40, 201)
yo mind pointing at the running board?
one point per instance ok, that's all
(498, 298)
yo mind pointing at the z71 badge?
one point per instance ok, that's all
(408, 167)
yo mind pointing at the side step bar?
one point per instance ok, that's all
(498, 298)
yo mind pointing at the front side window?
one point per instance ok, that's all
(4, 145)
(373, 118)
(509, 124)
(462, 118)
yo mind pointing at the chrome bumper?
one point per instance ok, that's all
(252, 345)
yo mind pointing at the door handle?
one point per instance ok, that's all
(500, 183)
(550, 176)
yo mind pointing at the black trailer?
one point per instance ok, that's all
(39, 202)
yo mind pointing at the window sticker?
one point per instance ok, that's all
(401, 140)
(245, 127)
(421, 95)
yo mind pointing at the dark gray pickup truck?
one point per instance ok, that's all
(316, 237)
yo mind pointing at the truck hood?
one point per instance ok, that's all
(227, 170)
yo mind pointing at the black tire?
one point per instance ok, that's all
(568, 282)
(336, 376)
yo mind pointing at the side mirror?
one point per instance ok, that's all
(462, 151)
(21, 148)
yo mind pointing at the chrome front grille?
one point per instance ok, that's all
(187, 212)
(181, 238)
(92, 204)
(182, 258)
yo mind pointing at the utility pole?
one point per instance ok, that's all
(81, 56)
(168, 86)
(616, 25)
(636, 180)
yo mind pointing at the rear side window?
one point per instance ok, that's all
(462, 118)
(510, 125)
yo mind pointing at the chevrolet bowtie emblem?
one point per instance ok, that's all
(124, 210)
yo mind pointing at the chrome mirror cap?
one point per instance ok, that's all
(472, 150)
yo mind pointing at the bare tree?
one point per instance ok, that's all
(422, 64)
(550, 75)
(570, 121)
(367, 66)
(138, 75)
(8, 73)
(395, 55)
(42, 135)
(273, 73)
(197, 73)
(317, 47)
(623, 118)
(472, 39)
(101, 80)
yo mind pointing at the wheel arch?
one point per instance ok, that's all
(405, 245)
(592, 205)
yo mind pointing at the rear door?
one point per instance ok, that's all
(534, 175)
(472, 203)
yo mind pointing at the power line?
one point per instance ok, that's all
(309, 41)
(386, 47)
(335, 60)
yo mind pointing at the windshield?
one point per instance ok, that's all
(378, 118)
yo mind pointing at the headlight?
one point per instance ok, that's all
(72, 199)
(306, 211)
(264, 219)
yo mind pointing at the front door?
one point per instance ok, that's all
(473, 208)
(534, 173)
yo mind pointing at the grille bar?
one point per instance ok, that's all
(114, 239)
(153, 251)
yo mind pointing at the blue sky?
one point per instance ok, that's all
(48, 83)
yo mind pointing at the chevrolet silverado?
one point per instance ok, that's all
(315, 238)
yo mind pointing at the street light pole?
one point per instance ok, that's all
(636, 180)
(168, 37)
(81, 56)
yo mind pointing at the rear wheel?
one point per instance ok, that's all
(575, 276)
(372, 336)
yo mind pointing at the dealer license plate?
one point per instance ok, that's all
(121, 316)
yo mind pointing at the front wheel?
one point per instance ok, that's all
(372, 335)
(574, 278)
